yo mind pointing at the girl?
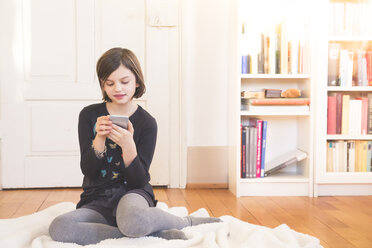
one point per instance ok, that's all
(117, 199)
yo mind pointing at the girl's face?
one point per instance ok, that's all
(121, 85)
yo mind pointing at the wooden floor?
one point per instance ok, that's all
(336, 221)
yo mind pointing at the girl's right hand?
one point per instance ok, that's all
(103, 125)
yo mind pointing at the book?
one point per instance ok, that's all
(284, 160)
(263, 147)
(351, 156)
(338, 112)
(258, 150)
(364, 114)
(331, 115)
(244, 64)
(280, 101)
(246, 150)
(277, 48)
(333, 63)
(270, 93)
(345, 115)
(330, 152)
(369, 115)
(369, 157)
(277, 108)
(242, 152)
(252, 94)
(253, 154)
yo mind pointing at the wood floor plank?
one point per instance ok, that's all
(234, 205)
(318, 228)
(214, 204)
(263, 216)
(336, 221)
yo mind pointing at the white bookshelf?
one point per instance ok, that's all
(335, 183)
(286, 131)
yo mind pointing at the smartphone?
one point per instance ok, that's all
(120, 120)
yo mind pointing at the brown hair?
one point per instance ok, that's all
(111, 60)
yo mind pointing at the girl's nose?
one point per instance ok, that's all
(118, 86)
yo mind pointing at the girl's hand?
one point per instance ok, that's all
(124, 138)
(103, 126)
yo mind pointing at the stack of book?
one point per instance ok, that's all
(349, 68)
(348, 115)
(349, 156)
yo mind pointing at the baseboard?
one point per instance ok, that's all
(206, 186)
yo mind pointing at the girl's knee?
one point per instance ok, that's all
(59, 228)
(134, 225)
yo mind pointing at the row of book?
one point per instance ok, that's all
(349, 116)
(350, 17)
(349, 68)
(349, 156)
(253, 148)
(280, 50)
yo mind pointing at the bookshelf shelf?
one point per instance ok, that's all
(353, 88)
(274, 113)
(273, 76)
(349, 137)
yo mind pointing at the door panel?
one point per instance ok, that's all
(54, 78)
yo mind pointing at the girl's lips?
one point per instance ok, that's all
(119, 96)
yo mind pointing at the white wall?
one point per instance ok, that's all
(205, 70)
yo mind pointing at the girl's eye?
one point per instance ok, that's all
(124, 82)
(109, 84)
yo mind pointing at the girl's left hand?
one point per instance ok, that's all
(124, 138)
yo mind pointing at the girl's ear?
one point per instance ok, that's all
(137, 85)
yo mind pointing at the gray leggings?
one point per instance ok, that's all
(134, 218)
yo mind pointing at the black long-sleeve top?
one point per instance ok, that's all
(110, 171)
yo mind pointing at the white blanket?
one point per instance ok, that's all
(32, 231)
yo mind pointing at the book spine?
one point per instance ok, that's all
(253, 148)
(333, 63)
(345, 114)
(280, 101)
(364, 156)
(244, 64)
(277, 48)
(369, 157)
(331, 115)
(263, 153)
(243, 153)
(369, 67)
(258, 151)
(246, 152)
(338, 113)
(369, 115)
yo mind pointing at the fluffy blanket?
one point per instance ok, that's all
(32, 231)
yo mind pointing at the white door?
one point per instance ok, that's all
(48, 75)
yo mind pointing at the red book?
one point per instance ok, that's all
(259, 147)
(331, 115)
(338, 113)
(280, 101)
(364, 114)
